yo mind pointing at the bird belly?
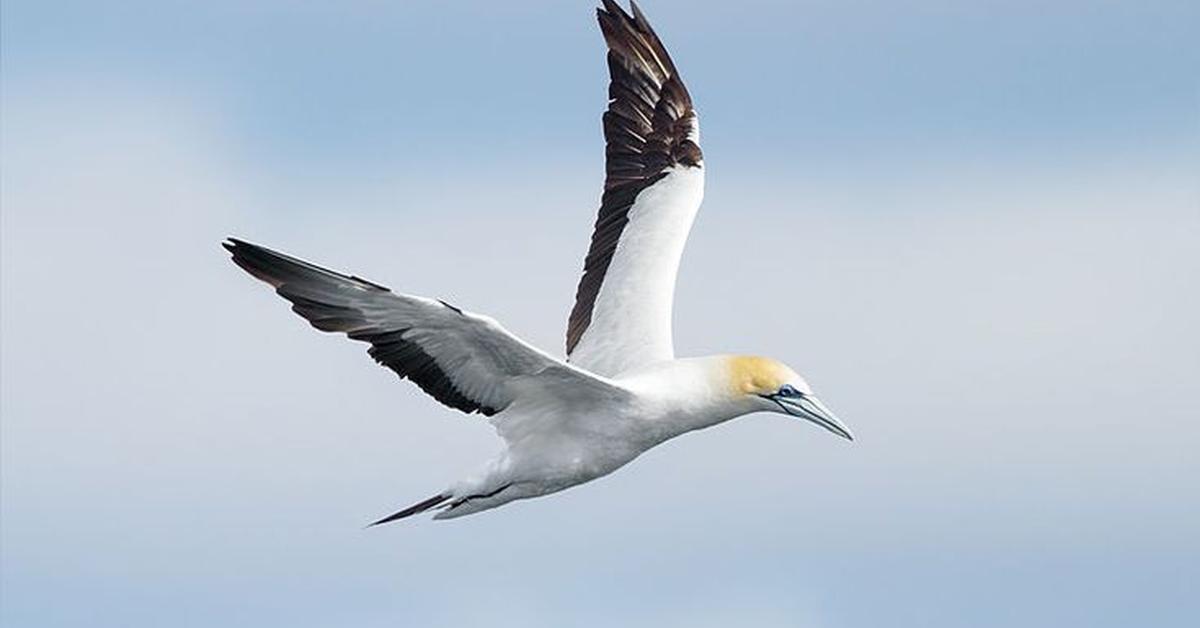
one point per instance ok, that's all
(551, 445)
(560, 462)
(535, 468)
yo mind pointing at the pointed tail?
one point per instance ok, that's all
(414, 509)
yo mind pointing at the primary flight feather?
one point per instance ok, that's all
(621, 390)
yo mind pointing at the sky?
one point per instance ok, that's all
(971, 226)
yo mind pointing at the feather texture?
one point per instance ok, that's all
(650, 130)
(463, 360)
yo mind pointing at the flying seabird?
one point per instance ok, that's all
(620, 390)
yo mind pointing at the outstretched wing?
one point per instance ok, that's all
(653, 186)
(464, 360)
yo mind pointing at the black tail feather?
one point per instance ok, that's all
(414, 509)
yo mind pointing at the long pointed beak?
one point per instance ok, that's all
(810, 408)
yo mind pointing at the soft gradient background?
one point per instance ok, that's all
(974, 226)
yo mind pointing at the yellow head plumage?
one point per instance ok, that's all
(752, 375)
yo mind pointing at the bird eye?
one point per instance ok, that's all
(788, 391)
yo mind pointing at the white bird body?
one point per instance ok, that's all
(556, 438)
(620, 391)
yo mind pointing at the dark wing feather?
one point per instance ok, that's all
(460, 359)
(648, 128)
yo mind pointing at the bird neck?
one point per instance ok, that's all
(688, 394)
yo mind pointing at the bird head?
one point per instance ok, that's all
(768, 385)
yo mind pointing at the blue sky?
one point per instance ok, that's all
(989, 213)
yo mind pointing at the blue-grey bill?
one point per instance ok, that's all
(810, 408)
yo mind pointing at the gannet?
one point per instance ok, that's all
(620, 390)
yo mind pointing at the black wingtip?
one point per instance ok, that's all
(236, 242)
(234, 245)
(637, 11)
(613, 10)
(275, 268)
(253, 259)
(634, 14)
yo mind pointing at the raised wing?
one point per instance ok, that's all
(653, 186)
(464, 360)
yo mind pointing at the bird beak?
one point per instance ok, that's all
(810, 408)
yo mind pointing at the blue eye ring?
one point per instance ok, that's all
(787, 390)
